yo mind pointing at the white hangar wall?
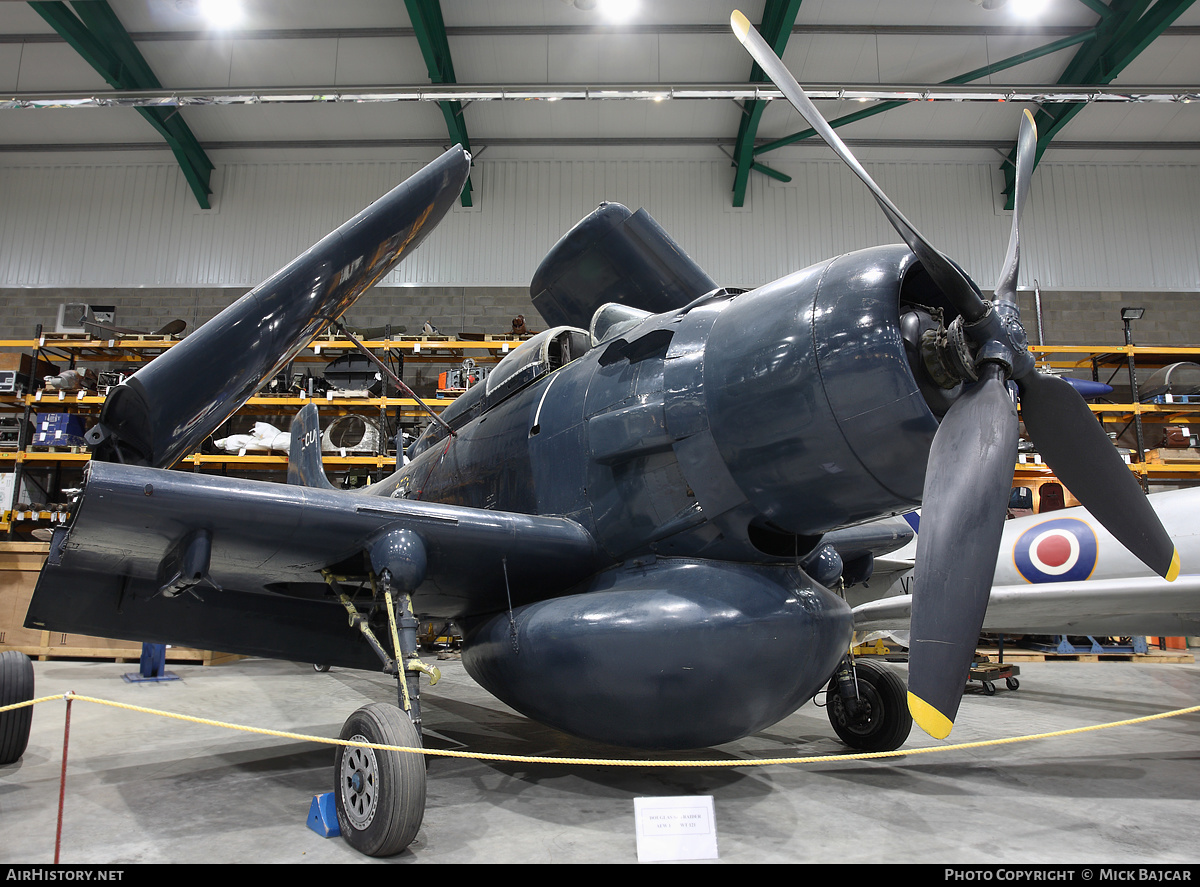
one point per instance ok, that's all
(1089, 227)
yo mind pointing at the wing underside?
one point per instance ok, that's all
(115, 570)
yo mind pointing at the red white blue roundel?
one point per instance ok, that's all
(1061, 550)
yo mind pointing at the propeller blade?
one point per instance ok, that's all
(967, 487)
(1073, 444)
(953, 283)
(1006, 287)
(970, 468)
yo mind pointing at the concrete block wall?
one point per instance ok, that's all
(1094, 318)
(452, 309)
(1068, 318)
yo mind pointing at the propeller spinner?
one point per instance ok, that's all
(970, 467)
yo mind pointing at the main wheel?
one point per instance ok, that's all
(16, 685)
(380, 794)
(884, 722)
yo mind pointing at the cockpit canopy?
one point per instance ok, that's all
(532, 359)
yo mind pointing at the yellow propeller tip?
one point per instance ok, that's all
(1030, 116)
(1173, 570)
(740, 25)
(929, 718)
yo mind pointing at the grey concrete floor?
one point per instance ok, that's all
(145, 789)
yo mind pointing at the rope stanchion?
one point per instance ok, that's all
(62, 778)
(611, 762)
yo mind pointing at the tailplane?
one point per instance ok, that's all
(305, 468)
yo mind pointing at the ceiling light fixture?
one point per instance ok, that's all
(221, 13)
(618, 11)
(1028, 8)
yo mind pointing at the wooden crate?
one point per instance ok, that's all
(20, 563)
(1173, 456)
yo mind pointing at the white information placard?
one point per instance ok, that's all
(675, 828)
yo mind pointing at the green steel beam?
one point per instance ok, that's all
(430, 31)
(778, 19)
(100, 39)
(1097, 6)
(1123, 14)
(1120, 39)
(1010, 62)
(103, 22)
(770, 173)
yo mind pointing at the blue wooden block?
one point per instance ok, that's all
(322, 816)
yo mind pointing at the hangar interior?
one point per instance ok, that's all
(156, 166)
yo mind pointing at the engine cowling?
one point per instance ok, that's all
(812, 397)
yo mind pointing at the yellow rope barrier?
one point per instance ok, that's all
(608, 762)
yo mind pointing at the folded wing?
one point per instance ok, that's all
(165, 409)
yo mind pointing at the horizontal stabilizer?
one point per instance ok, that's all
(164, 410)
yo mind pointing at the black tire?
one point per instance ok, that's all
(1012, 683)
(887, 722)
(380, 795)
(989, 688)
(16, 685)
(320, 668)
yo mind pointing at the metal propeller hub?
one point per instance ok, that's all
(1000, 338)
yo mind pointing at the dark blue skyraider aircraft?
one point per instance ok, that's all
(639, 519)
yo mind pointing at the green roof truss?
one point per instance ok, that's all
(95, 32)
(1119, 37)
(778, 19)
(1010, 62)
(430, 31)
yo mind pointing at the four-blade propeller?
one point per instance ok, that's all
(970, 467)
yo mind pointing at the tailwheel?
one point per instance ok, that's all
(380, 795)
(877, 717)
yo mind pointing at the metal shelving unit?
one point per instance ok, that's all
(74, 350)
(1154, 465)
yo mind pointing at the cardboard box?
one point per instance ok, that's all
(21, 362)
(31, 490)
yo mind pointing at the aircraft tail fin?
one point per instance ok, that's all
(305, 468)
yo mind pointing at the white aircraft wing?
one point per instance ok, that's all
(1062, 573)
(1133, 606)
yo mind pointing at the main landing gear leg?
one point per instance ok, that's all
(380, 794)
(404, 639)
(867, 705)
